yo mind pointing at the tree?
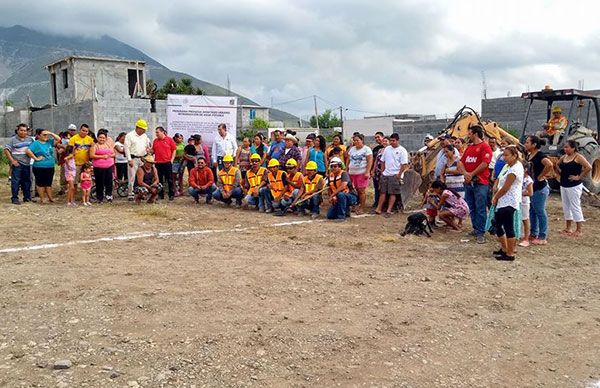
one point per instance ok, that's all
(183, 86)
(260, 123)
(326, 120)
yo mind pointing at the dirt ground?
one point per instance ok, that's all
(301, 305)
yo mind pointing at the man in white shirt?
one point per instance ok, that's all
(137, 145)
(496, 153)
(224, 144)
(394, 164)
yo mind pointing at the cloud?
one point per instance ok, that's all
(380, 56)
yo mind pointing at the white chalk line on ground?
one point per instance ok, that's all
(140, 235)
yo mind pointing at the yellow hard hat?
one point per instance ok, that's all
(273, 163)
(311, 165)
(255, 156)
(228, 158)
(291, 163)
(556, 109)
(141, 123)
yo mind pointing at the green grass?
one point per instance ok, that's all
(4, 164)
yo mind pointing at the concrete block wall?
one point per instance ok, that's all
(120, 115)
(412, 134)
(58, 118)
(14, 118)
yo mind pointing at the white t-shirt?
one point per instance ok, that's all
(358, 160)
(394, 158)
(526, 182)
(119, 157)
(514, 195)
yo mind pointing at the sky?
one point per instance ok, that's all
(370, 57)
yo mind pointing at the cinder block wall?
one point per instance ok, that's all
(58, 118)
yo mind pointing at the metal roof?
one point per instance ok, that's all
(559, 95)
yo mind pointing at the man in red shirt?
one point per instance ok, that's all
(474, 165)
(202, 181)
(164, 153)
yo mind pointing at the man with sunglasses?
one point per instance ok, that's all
(341, 195)
(254, 181)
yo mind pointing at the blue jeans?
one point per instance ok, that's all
(287, 202)
(312, 204)
(255, 201)
(268, 200)
(236, 194)
(476, 198)
(196, 193)
(20, 178)
(341, 209)
(537, 213)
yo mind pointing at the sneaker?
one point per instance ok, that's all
(314, 216)
(270, 210)
(16, 202)
(498, 253)
(27, 200)
(340, 220)
(505, 257)
(261, 209)
(130, 199)
(109, 198)
(208, 201)
(524, 243)
(538, 241)
(480, 240)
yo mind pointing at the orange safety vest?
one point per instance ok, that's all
(293, 183)
(556, 125)
(227, 178)
(310, 185)
(276, 184)
(335, 181)
(254, 179)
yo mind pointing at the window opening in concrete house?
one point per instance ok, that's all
(135, 83)
(53, 79)
(65, 77)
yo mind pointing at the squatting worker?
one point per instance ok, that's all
(556, 125)
(229, 183)
(224, 144)
(137, 145)
(254, 181)
(309, 197)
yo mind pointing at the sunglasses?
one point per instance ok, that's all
(255, 161)
(289, 167)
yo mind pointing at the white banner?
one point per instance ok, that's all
(190, 115)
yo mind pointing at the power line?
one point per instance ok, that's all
(289, 102)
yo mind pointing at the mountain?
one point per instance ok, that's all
(25, 52)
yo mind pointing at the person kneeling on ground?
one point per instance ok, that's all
(341, 196)
(276, 181)
(201, 181)
(451, 206)
(228, 184)
(294, 179)
(253, 183)
(146, 181)
(309, 196)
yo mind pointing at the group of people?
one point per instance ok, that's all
(504, 189)
(492, 183)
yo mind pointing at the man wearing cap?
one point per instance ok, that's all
(290, 151)
(71, 129)
(137, 145)
(341, 193)
(201, 181)
(556, 125)
(441, 160)
(255, 180)
(228, 183)
(146, 180)
(224, 144)
(81, 143)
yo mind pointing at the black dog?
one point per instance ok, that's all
(417, 224)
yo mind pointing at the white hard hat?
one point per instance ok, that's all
(335, 160)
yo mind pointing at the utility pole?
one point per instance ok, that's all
(228, 86)
(316, 115)
(341, 119)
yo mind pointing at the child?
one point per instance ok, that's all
(527, 193)
(451, 205)
(430, 203)
(67, 162)
(86, 183)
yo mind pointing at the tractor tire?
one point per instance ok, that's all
(592, 180)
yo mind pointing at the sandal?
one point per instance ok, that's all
(566, 232)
